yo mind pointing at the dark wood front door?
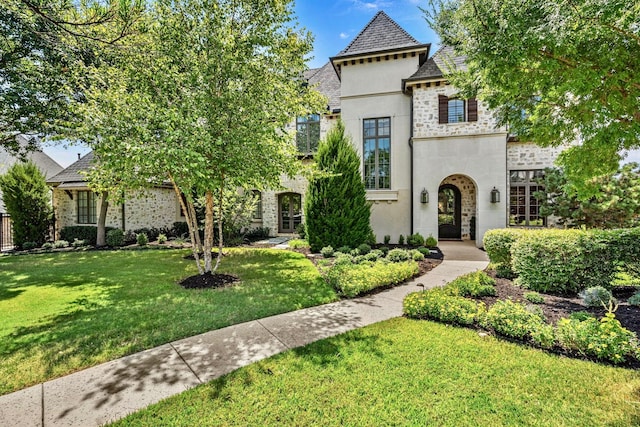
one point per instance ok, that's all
(449, 212)
(290, 212)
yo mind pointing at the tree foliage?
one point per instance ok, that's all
(554, 71)
(26, 198)
(337, 212)
(617, 205)
(200, 97)
(39, 43)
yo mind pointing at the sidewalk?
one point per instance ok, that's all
(110, 391)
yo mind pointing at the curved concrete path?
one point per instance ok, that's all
(110, 391)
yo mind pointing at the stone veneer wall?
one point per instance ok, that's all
(156, 207)
(526, 155)
(425, 115)
(468, 201)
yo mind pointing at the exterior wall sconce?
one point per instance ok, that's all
(495, 195)
(424, 196)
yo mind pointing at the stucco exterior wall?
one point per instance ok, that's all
(425, 115)
(156, 207)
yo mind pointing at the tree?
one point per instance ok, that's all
(200, 99)
(26, 198)
(553, 71)
(337, 212)
(39, 43)
(616, 206)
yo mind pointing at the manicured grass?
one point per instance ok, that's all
(409, 372)
(61, 312)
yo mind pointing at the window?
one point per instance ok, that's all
(308, 133)
(377, 153)
(86, 207)
(524, 208)
(455, 110)
(257, 212)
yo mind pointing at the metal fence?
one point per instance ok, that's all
(6, 233)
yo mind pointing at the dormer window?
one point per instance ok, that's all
(456, 110)
(308, 133)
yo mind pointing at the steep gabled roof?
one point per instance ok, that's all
(380, 34)
(327, 83)
(443, 62)
(72, 173)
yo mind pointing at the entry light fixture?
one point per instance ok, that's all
(424, 196)
(495, 195)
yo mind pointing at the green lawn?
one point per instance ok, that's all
(61, 312)
(409, 372)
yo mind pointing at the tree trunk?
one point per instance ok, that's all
(192, 224)
(101, 239)
(220, 238)
(208, 231)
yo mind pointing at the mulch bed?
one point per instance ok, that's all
(558, 306)
(209, 281)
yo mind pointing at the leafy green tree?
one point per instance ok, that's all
(39, 44)
(336, 209)
(554, 71)
(617, 205)
(201, 99)
(26, 198)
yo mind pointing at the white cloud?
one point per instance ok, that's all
(372, 5)
(344, 36)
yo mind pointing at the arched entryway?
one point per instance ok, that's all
(449, 212)
(457, 203)
(289, 212)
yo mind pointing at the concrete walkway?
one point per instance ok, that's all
(110, 391)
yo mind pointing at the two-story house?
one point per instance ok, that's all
(432, 163)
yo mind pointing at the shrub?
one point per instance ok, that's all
(424, 251)
(476, 284)
(344, 249)
(27, 246)
(431, 242)
(337, 212)
(359, 259)
(416, 255)
(415, 240)
(60, 244)
(387, 239)
(115, 238)
(257, 233)
(327, 252)
(130, 237)
(604, 339)
(504, 271)
(596, 296)
(47, 246)
(440, 305)
(384, 250)
(498, 243)
(179, 229)
(142, 239)
(162, 238)
(343, 259)
(301, 230)
(355, 279)
(542, 335)
(77, 243)
(401, 240)
(80, 232)
(298, 244)
(635, 299)
(398, 255)
(512, 319)
(534, 297)
(364, 249)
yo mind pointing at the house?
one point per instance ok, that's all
(75, 204)
(432, 163)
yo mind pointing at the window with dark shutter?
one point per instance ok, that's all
(443, 109)
(472, 110)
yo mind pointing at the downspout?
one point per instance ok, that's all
(411, 161)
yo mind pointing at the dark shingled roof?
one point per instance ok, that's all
(72, 173)
(442, 62)
(381, 33)
(326, 82)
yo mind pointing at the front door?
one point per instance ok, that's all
(449, 212)
(290, 207)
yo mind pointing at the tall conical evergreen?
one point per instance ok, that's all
(337, 212)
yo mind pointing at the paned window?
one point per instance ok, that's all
(377, 153)
(257, 212)
(308, 133)
(456, 113)
(86, 207)
(524, 208)
(456, 110)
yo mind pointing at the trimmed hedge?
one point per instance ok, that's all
(497, 243)
(351, 280)
(88, 233)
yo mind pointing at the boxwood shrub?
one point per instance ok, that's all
(439, 304)
(351, 279)
(498, 243)
(476, 284)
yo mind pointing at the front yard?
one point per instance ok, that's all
(62, 312)
(408, 372)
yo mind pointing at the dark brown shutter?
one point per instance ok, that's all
(472, 110)
(443, 109)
